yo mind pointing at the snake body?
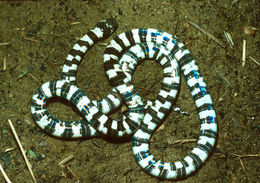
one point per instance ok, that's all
(154, 114)
(121, 57)
(94, 111)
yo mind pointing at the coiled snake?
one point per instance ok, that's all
(121, 57)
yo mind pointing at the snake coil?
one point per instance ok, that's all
(121, 57)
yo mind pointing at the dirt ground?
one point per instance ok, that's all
(35, 38)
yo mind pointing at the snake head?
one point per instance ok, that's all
(108, 26)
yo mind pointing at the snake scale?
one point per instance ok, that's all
(122, 55)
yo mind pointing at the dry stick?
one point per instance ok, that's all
(244, 53)
(72, 172)
(239, 157)
(75, 23)
(22, 150)
(246, 156)
(229, 39)
(31, 39)
(4, 44)
(254, 60)
(225, 79)
(182, 141)
(66, 160)
(4, 174)
(221, 43)
(10, 149)
(242, 164)
(4, 63)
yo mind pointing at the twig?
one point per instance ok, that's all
(246, 156)
(75, 23)
(157, 130)
(215, 69)
(240, 157)
(242, 164)
(254, 60)
(31, 39)
(222, 44)
(96, 144)
(4, 174)
(229, 39)
(4, 44)
(22, 150)
(244, 53)
(72, 172)
(182, 141)
(10, 149)
(63, 166)
(66, 160)
(4, 63)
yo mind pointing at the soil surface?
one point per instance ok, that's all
(35, 38)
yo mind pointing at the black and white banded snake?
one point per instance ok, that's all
(121, 57)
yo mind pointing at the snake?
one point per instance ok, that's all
(121, 56)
